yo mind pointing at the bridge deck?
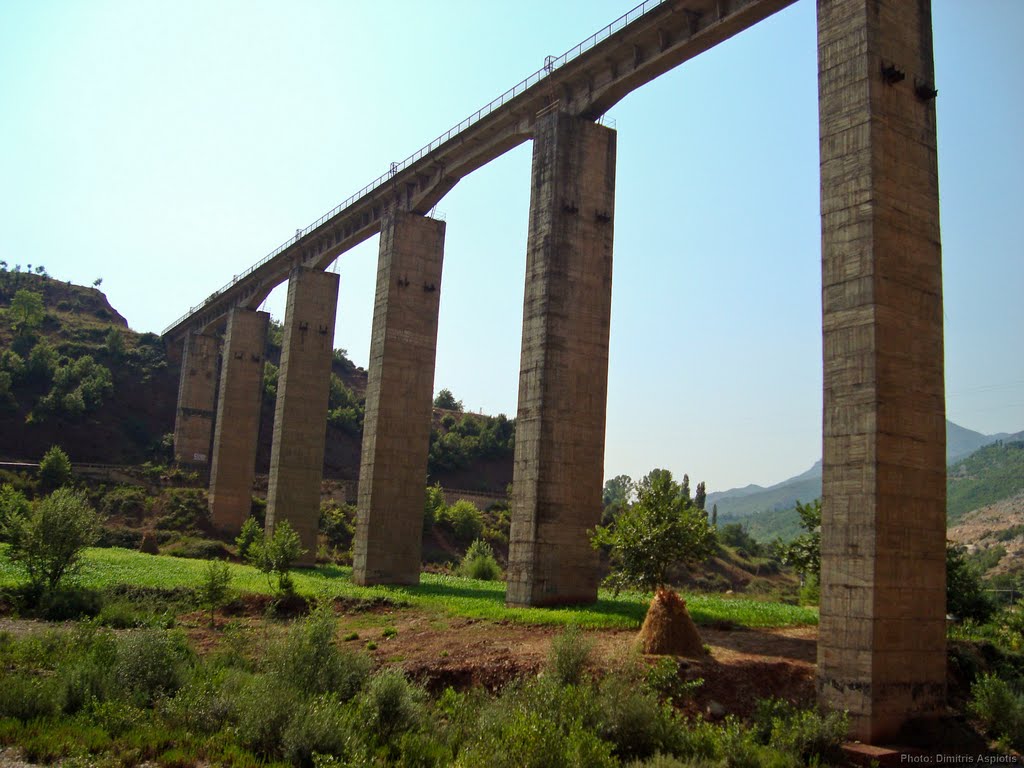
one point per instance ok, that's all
(586, 81)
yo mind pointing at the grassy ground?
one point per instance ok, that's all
(106, 568)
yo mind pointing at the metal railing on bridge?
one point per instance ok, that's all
(551, 63)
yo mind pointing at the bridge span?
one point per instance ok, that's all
(881, 650)
(585, 81)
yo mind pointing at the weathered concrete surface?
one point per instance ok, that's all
(233, 466)
(197, 390)
(881, 653)
(300, 417)
(563, 379)
(399, 392)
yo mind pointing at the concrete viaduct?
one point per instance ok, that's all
(881, 653)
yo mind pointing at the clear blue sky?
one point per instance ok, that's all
(166, 145)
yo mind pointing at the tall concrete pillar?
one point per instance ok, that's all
(300, 418)
(563, 376)
(197, 390)
(399, 392)
(881, 649)
(233, 466)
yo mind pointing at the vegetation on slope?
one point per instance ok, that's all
(990, 474)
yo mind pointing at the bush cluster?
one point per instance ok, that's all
(311, 702)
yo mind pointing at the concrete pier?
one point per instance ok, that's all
(563, 379)
(300, 418)
(197, 391)
(881, 649)
(233, 466)
(399, 394)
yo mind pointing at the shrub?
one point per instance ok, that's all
(49, 542)
(664, 679)
(390, 704)
(252, 532)
(479, 562)
(54, 469)
(999, 708)
(310, 660)
(321, 727)
(13, 506)
(215, 586)
(337, 524)
(26, 697)
(965, 596)
(70, 604)
(126, 538)
(127, 502)
(569, 656)
(184, 509)
(150, 663)
(263, 710)
(464, 519)
(633, 719)
(538, 724)
(198, 549)
(275, 555)
(205, 703)
(433, 506)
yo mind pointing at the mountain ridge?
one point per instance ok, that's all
(737, 503)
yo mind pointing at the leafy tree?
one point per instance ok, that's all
(804, 552)
(660, 530)
(701, 496)
(13, 507)
(275, 555)
(215, 586)
(965, 595)
(26, 311)
(270, 375)
(78, 386)
(251, 534)
(345, 410)
(434, 506)
(445, 399)
(48, 542)
(464, 520)
(114, 343)
(55, 468)
(616, 497)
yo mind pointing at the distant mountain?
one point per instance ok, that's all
(749, 500)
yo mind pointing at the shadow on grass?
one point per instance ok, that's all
(487, 599)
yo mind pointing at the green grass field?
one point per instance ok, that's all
(452, 595)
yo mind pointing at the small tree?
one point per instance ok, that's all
(215, 586)
(275, 555)
(660, 530)
(445, 399)
(48, 543)
(26, 311)
(251, 533)
(55, 468)
(804, 552)
(13, 507)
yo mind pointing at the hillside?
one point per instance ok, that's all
(73, 373)
(990, 474)
(994, 535)
(79, 376)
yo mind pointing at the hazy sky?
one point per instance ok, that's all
(167, 145)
